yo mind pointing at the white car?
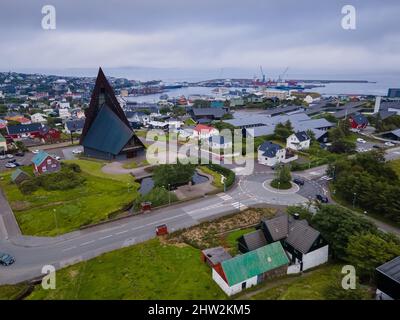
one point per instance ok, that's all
(389, 144)
(56, 157)
(360, 140)
(10, 156)
(35, 151)
(10, 165)
(76, 151)
(2, 157)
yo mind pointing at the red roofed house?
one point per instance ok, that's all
(202, 131)
(358, 121)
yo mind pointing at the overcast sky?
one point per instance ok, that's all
(205, 34)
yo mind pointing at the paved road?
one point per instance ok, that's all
(32, 253)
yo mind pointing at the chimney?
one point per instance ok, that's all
(377, 104)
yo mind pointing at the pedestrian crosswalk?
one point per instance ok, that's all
(239, 205)
(224, 196)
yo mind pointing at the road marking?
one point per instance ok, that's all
(70, 248)
(122, 232)
(239, 205)
(224, 196)
(86, 243)
(105, 237)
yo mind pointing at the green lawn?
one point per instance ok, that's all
(93, 167)
(11, 292)
(395, 164)
(309, 286)
(150, 270)
(217, 176)
(49, 213)
(232, 237)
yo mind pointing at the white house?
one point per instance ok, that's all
(298, 141)
(64, 113)
(304, 245)
(249, 269)
(202, 131)
(219, 142)
(270, 154)
(39, 118)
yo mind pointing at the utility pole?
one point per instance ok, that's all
(169, 194)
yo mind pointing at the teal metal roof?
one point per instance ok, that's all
(108, 133)
(16, 173)
(253, 263)
(39, 158)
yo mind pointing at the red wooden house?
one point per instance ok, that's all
(358, 121)
(44, 163)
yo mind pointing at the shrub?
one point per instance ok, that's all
(28, 186)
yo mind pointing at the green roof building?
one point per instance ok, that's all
(251, 268)
(107, 133)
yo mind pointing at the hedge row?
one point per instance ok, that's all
(227, 173)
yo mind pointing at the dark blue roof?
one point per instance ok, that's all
(24, 128)
(302, 136)
(270, 149)
(73, 125)
(360, 119)
(108, 133)
(217, 139)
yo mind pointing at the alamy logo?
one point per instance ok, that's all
(349, 19)
(49, 20)
(49, 280)
(349, 280)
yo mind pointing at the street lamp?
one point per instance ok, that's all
(354, 199)
(169, 194)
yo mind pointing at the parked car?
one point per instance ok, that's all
(10, 165)
(20, 154)
(35, 151)
(76, 151)
(298, 181)
(6, 259)
(389, 144)
(2, 157)
(11, 161)
(56, 157)
(322, 198)
(10, 156)
(17, 164)
(361, 140)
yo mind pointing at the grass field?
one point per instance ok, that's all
(217, 177)
(151, 270)
(94, 168)
(49, 213)
(309, 286)
(395, 164)
(11, 292)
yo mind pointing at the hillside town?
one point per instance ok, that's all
(55, 134)
(200, 159)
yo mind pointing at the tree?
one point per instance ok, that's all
(282, 131)
(338, 224)
(368, 251)
(283, 178)
(335, 291)
(173, 174)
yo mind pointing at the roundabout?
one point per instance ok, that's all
(257, 187)
(267, 186)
